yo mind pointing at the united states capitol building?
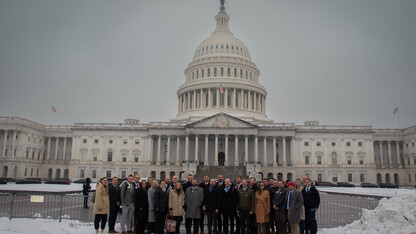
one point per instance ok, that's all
(221, 127)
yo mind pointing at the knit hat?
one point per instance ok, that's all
(291, 184)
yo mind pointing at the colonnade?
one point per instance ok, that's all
(389, 161)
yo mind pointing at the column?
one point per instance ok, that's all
(274, 152)
(399, 161)
(209, 98)
(256, 149)
(188, 99)
(218, 98)
(226, 100)
(246, 149)
(56, 148)
(168, 152)
(292, 150)
(233, 99)
(13, 143)
(264, 104)
(381, 153)
(284, 152)
(150, 157)
(389, 149)
(249, 100)
(242, 99)
(258, 106)
(158, 150)
(179, 104)
(3, 152)
(49, 149)
(178, 139)
(187, 148)
(226, 163)
(216, 150)
(236, 162)
(64, 150)
(265, 151)
(194, 101)
(201, 99)
(196, 148)
(206, 162)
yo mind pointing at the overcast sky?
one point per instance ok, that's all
(338, 62)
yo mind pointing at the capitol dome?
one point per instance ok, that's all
(222, 78)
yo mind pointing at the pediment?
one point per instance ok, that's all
(221, 120)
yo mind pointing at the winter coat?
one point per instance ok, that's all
(279, 198)
(186, 185)
(176, 202)
(127, 193)
(302, 209)
(161, 200)
(262, 206)
(212, 199)
(114, 194)
(151, 200)
(86, 188)
(296, 201)
(245, 199)
(229, 200)
(141, 204)
(311, 199)
(193, 202)
(102, 200)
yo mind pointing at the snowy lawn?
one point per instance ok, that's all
(43, 187)
(380, 192)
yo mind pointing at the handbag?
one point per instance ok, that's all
(170, 225)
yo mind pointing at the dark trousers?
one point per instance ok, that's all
(219, 220)
(151, 226)
(253, 223)
(201, 221)
(85, 201)
(212, 220)
(178, 220)
(310, 222)
(237, 222)
(160, 218)
(188, 225)
(245, 221)
(112, 219)
(228, 216)
(140, 224)
(100, 218)
(272, 217)
(281, 223)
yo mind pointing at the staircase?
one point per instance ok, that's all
(227, 171)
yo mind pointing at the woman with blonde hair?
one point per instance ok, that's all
(262, 209)
(176, 204)
(299, 187)
(101, 204)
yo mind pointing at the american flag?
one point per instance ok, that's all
(221, 88)
(53, 109)
(395, 110)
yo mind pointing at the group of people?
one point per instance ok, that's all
(267, 206)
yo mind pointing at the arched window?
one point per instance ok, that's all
(307, 160)
(110, 155)
(246, 74)
(208, 72)
(241, 73)
(228, 72)
(215, 71)
(235, 72)
(319, 159)
(222, 71)
(197, 74)
(202, 73)
(334, 158)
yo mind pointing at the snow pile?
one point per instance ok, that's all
(44, 226)
(394, 215)
(379, 192)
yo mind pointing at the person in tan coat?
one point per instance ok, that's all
(176, 204)
(299, 187)
(101, 204)
(262, 209)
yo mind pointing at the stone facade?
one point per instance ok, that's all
(221, 121)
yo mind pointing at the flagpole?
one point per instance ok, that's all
(398, 118)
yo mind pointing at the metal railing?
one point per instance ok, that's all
(331, 213)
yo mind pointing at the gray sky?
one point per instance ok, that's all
(338, 62)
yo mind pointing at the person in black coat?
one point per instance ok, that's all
(203, 185)
(220, 185)
(279, 197)
(228, 206)
(115, 199)
(141, 208)
(311, 201)
(188, 184)
(85, 190)
(211, 205)
(272, 189)
(161, 207)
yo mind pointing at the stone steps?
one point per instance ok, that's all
(227, 171)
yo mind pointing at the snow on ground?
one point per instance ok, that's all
(379, 192)
(392, 215)
(44, 187)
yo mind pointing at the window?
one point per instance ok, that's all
(209, 72)
(222, 71)
(362, 177)
(360, 144)
(306, 143)
(38, 155)
(348, 143)
(349, 160)
(349, 177)
(110, 141)
(335, 177)
(241, 73)
(124, 157)
(246, 74)
(109, 156)
(137, 142)
(319, 159)
(318, 143)
(95, 141)
(93, 173)
(33, 155)
(319, 177)
(27, 154)
(197, 74)
(334, 158)
(37, 172)
(108, 173)
(123, 174)
(135, 172)
(83, 156)
(235, 72)
(94, 156)
(136, 157)
(228, 72)
(25, 171)
(84, 141)
(361, 160)
(31, 172)
(307, 160)
(202, 73)
(414, 160)
(82, 173)
(215, 71)
(333, 143)
(125, 141)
